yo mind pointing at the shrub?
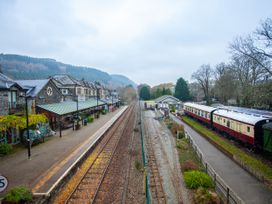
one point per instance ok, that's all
(90, 119)
(176, 127)
(104, 112)
(138, 165)
(180, 135)
(189, 165)
(5, 149)
(195, 179)
(18, 194)
(169, 125)
(204, 196)
(182, 144)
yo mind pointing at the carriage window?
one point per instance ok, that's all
(224, 120)
(228, 123)
(248, 129)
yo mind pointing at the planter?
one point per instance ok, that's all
(77, 126)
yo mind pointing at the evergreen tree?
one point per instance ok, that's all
(182, 90)
(145, 93)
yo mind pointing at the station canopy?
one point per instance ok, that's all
(68, 107)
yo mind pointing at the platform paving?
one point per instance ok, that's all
(246, 186)
(49, 160)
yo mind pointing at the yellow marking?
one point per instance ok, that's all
(56, 167)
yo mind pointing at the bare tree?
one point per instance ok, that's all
(204, 76)
(249, 73)
(258, 46)
(225, 87)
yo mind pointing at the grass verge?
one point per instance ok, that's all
(252, 164)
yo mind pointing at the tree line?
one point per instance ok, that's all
(181, 91)
(245, 80)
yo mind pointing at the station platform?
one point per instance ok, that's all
(52, 160)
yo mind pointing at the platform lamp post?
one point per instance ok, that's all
(27, 128)
(112, 100)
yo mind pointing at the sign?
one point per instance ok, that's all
(3, 183)
(49, 91)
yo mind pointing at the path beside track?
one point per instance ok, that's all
(168, 167)
(247, 187)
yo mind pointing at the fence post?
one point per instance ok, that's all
(228, 195)
(206, 167)
(214, 178)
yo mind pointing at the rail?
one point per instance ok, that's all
(108, 149)
(147, 192)
(221, 187)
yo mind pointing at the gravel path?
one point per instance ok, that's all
(165, 151)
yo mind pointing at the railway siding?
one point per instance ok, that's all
(165, 178)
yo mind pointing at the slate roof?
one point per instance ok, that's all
(68, 107)
(7, 83)
(33, 86)
(162, 98)
(65, 79)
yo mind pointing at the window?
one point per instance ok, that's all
(248, 129)
(224, 120)
(64, 91)
(78, 90)
(228, 123)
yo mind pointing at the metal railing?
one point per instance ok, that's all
(221, 187)
(146, 182)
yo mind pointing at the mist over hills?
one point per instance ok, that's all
(24, 67)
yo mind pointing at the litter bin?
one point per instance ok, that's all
(85, 122)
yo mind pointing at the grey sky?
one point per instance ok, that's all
(150, 41)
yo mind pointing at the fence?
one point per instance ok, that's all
(144, 157)
(221, 188)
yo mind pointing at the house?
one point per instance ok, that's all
(39, 92)
(70, 88)
(11, 102)
(166, 101)
(10, 92)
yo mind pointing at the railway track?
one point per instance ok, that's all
(87, 187)
(156, 188)
(114, 187)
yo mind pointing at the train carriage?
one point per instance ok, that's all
(200, 112)
(245, 127)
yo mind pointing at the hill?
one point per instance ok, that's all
(24, 67)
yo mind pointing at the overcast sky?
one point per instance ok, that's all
(150, 41)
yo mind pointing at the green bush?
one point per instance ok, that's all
(196, 179)
(18, 194)
(204, 196)
(138, 165)
(90, 119)
(182, 144)
(5, 149)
